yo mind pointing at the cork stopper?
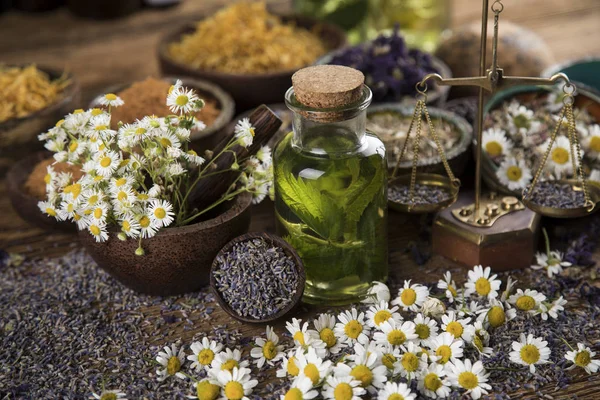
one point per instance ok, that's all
(328, 86)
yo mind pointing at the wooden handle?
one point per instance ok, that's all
(212, 188)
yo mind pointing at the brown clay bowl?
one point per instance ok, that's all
(25, 204)
(205, 89)
(248, 90)
(275, 241)
(177, 260)
(18, 136)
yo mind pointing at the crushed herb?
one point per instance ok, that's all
(424, 194)
(557, 195)
(35, 184)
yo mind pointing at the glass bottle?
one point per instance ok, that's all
(331, 199)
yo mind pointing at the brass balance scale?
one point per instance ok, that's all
(493, 230)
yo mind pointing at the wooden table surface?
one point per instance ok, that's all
(104, 53)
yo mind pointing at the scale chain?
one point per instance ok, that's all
(440, 150)
(416, 147)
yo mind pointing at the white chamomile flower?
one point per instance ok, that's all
(171, 360)
(352, 327)
(395, 391)
(182, 100)
(260, 192)
(342, 388)
(98, 231)
(166, 139)
(311, 366)
(111, 100)
(469, 376)
(174, 152)
(480, 340)
(107, 162)
(410, 361)
(380, 313)
(364, 367)
(513, 174)
(378, 292)
(175, 169)
(510, 284)
(99, 212)
(109, 395)
(433, 307)
(299, 334)
(481, 283)
(301, 389)
(530, 351)
(432, 382)
(148, 228)
(559, 161)
(130, 226)
(390, 357)
(161, 212)
(425, 328)
(288, 366)
(591, 142)
(267, 351)
(498, 314)
(324, 325)
(100, 127)
(206, 389)
(123, 199)
(553, 309)
(395, 333)
(458, 327)
(264, 154)
(183, 134)
(446, 347)
(227, 360)
(244, 132)
(155, 191)
(553, 264)
(193, 158)
(411, 297)
(449, 286)
(554, 101)
(204, 353)
(521, 120)
(495, 143)
(528, 300)
(237, 384)
(583, 357)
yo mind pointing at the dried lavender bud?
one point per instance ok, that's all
(424, 194)
(256, 279)
(557, 195)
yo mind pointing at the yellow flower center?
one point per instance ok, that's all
(496, 316)
(252, 132)
(160, 213)
(143, 196)
(173, 365)
(110, 96)
(328, 337)
(422, 330)
(70, 208)
(126, 226)
(120, 182)
(381, 316)
(205, 356)
(409, 296)
(96, 112)
(444, 352)
(514, 173)
(234, 390)
(299, 337)
(595, 144)
(98, 178)
(207, 391)
(312, 372)
(108, 396)
(292, 368)
(521, 121)
(105, 162)
(93, 199)
(388, 360)
(530, 354)
(121, 196)
(343, 391)
(483, 287)
(73, 146)
(560, 155)
(353, 329)
(395, 396)
(101, 127)
(47, 179)
(144, 222)
(468, 380)
(97, 212)
(76, 217)
(410, 362)
(493, 148)
(583, 358)
(78, 111)
(478, 343)
(363, 374)
(455, 328)
(396, 337)
(165, 142)
(95, 230)
(525, 303)
(269, 350)
(140, 131)
(182, 100)
(432, 382)
(452, 290)
(293, 394)
(51, 211)
(229, 365)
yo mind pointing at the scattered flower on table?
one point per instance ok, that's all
(364, 367)
(425, 328)
(267, 351)
(469, 376)
(171, 359)
(583, 357)
(458, 327)
(481, 283)
(380, 313)
(352, 328)
(449, 286)
(311, 366)
(324, 326)
(227, 360)
(552, 309)
(395, 391)
(411, 297)
(109, 395)
(377, 293)
(302, 389)
(552, 262)
(343, 388)
(395, 333)
(530, 351)
(433, 382)
(204, 353)
(528, 300)
(446, 347)
(237, 384)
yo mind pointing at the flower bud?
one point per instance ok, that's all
(122, 236)
(377, 292)
(139, 251)
(433, 307)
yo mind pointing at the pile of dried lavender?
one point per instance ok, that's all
(557, 195)
(256, 279)
(424, 194)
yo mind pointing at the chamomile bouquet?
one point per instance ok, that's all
(137, 179)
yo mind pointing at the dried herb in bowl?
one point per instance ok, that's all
(424, 194)
(557, 195)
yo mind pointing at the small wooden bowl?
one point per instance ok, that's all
(248, 90)
(274, 241)
(24, 204)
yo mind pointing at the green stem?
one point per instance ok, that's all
(547, 242)
(567, 343)
(226, 197)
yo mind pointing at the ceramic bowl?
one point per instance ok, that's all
(275, 241)
(24, 204)
(206, 89)
(177, 260)
(248, 90)
(18, 136)
(457, 156)
(524, 93)
(583, 71)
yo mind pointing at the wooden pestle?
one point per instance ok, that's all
(212, 188)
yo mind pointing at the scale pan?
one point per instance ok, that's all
(563, 212)
(440, 188)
